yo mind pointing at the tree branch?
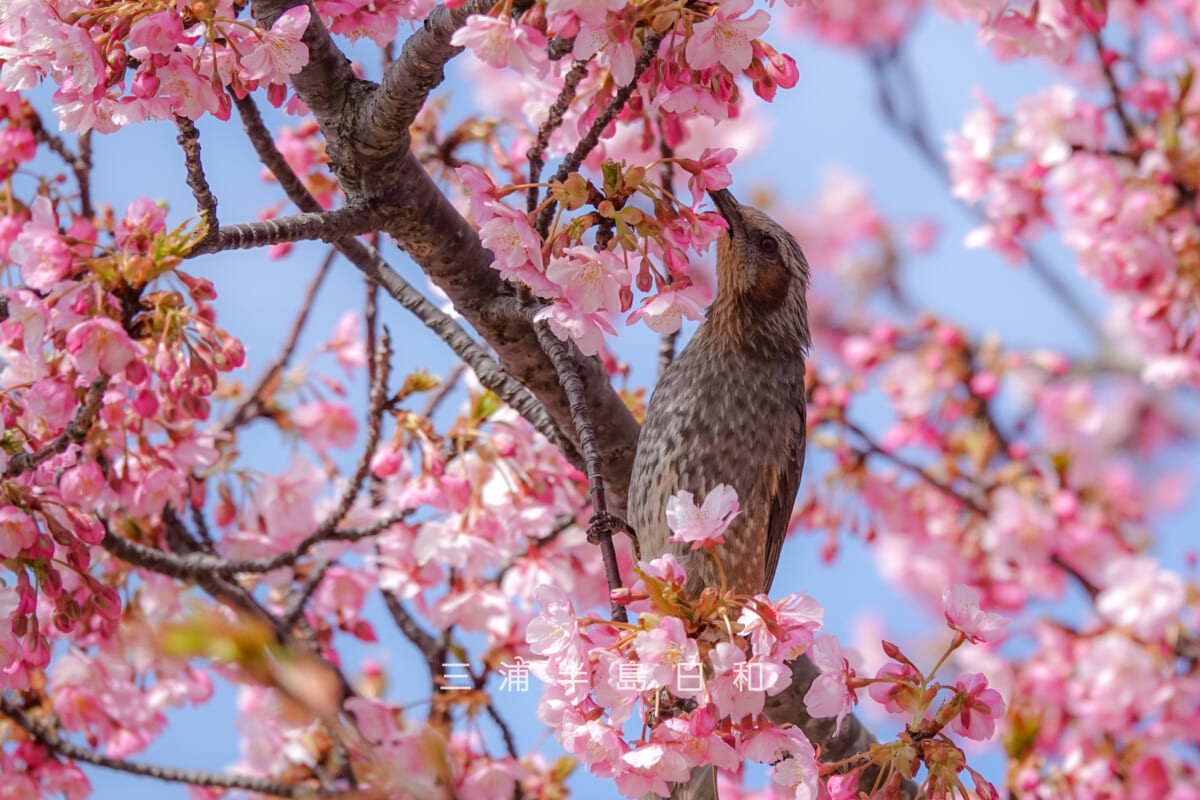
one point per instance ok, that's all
(206, 203)
(75, 432)
(592, 137)
(52, 741)
(554, 118)
(887, 65)
(328, 226)
(407, 84)
(491, 375)
(254, 404)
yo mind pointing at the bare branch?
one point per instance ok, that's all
(554, 118)
(194, 566)
(255, 403)
(1131, 134)
(328, 226)
(206, 203)
(54, 742)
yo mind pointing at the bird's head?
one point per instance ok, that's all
(762, 280)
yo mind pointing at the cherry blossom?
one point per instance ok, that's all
(963, 614)
(705, 524)
(724, 39)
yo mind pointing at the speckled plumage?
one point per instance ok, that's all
(730, 408)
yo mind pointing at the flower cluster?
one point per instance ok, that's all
(114, 65)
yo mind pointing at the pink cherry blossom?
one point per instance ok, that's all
(664, 313)
(710, 172)
(590, 280)
(724, 39)
(585, 329)
(347, 343)
(982, 707)
(963, 614)
(704, 525)
(101, 345)
(671, 658)
(142, 221)
(1140, 595)
(155, 34)
(830, 695)
(17, 531)
(43, 256)
(554, 632)
(281, 51)
(898, 689)
(503, 43)
(326, 425)
(518, 250)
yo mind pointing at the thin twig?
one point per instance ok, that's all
(916, 132)
(83, 174)
(592, 137)
(1131, 134)
(194, 566)
(254, 404)
(505, 733)
(52, 741)
(296, 605)
(443, 391)
(873, 447)
(433, 649)
(560, 354)
(554, 118)
(206, 202)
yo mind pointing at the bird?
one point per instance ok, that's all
(730, 409)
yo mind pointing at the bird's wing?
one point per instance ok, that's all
(783, 496)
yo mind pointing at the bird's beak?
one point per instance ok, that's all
(729, 209)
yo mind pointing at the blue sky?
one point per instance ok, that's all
(829, 119)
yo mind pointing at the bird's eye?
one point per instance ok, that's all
(768, 244)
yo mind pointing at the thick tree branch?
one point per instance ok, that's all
(448, 249)
(384, 118)
(369, 262)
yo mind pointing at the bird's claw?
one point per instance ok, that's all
(605, 524)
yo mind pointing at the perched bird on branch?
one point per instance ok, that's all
(731, 410)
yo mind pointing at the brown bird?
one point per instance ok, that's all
(731, 409)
